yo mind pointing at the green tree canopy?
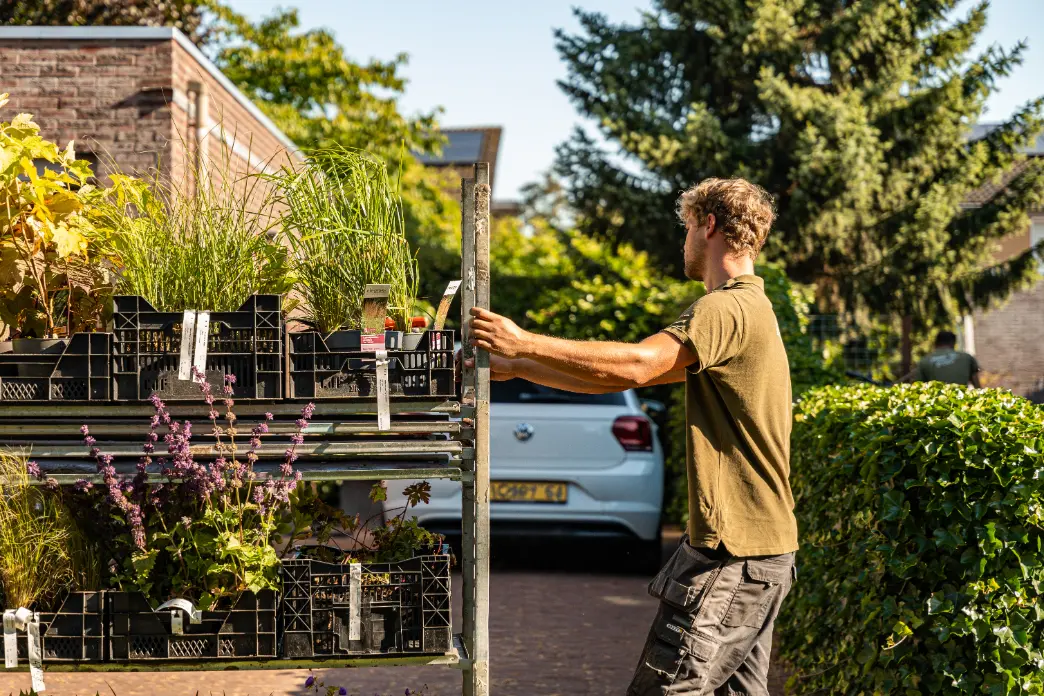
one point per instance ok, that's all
(855, 114)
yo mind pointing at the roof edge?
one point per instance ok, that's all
(108, 33)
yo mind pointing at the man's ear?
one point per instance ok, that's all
(712, 225)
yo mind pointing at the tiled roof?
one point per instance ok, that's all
(980, 130)
(986, 193)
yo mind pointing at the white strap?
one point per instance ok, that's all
(355, 601)
(35, 655)
(23, 619)
(194, 614)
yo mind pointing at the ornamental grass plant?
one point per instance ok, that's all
(207, 242)
(343, 219)
(38, 540)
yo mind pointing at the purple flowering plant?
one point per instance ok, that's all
(205, 530)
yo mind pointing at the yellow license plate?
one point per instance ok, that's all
(528, 492)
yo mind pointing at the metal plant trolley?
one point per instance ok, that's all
(428, 439)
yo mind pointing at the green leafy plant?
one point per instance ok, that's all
(343, 219)
(921, 510)
(50, 272)
(343, 537)
(205, 532)
(207, 242)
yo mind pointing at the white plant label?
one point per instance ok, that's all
(199, 354)
(383, 396)
(10, 640)
(188, 334)
(444, 305)
(355, 601)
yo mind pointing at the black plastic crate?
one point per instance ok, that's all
(318, 370)
(81, 372)
(242, 628)
(404, 607)
(247, 343)
(74, 633)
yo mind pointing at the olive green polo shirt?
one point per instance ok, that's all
(738, 413)
(947, 365)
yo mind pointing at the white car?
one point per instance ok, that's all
(563, 465)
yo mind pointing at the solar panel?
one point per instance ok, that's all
(463, 147)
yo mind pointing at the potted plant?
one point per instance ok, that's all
(52, 282)
(208, 247)
(341, 206)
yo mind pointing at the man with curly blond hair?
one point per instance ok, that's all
(720, 591)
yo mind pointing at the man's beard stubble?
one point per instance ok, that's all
(696, 263)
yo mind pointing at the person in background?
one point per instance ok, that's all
(947, 364)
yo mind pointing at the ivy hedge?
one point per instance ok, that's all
(921, 510)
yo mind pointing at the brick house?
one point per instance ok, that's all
(135, 99)
(1009, 341)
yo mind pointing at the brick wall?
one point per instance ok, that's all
(1009, 344)
(126, 102)
(1009, 340)
(112, 99)
(236, 140)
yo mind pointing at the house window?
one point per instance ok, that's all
(1037, 237)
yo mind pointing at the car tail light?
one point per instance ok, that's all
(634, 433)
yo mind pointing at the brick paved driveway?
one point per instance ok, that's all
(562, 622)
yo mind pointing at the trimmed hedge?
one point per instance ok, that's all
(922, 518)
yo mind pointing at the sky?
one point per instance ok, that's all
(495, 64)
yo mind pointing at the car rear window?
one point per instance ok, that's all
(519, 391)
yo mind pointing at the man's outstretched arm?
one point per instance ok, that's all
(502, 369)
(659, 359)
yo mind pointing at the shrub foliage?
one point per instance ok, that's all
(921, 523)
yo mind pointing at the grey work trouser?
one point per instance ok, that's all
(713, 630)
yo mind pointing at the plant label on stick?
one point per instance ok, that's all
(444, 305)
(10, 640)
(188, 342)
(374, 312)
(355, 601)
(199, 353)
(383, 396)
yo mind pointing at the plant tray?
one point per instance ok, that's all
(319, 371)
(402, 608)
(247, 343)
(74, 633)
(244, 628)
(82, 372)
